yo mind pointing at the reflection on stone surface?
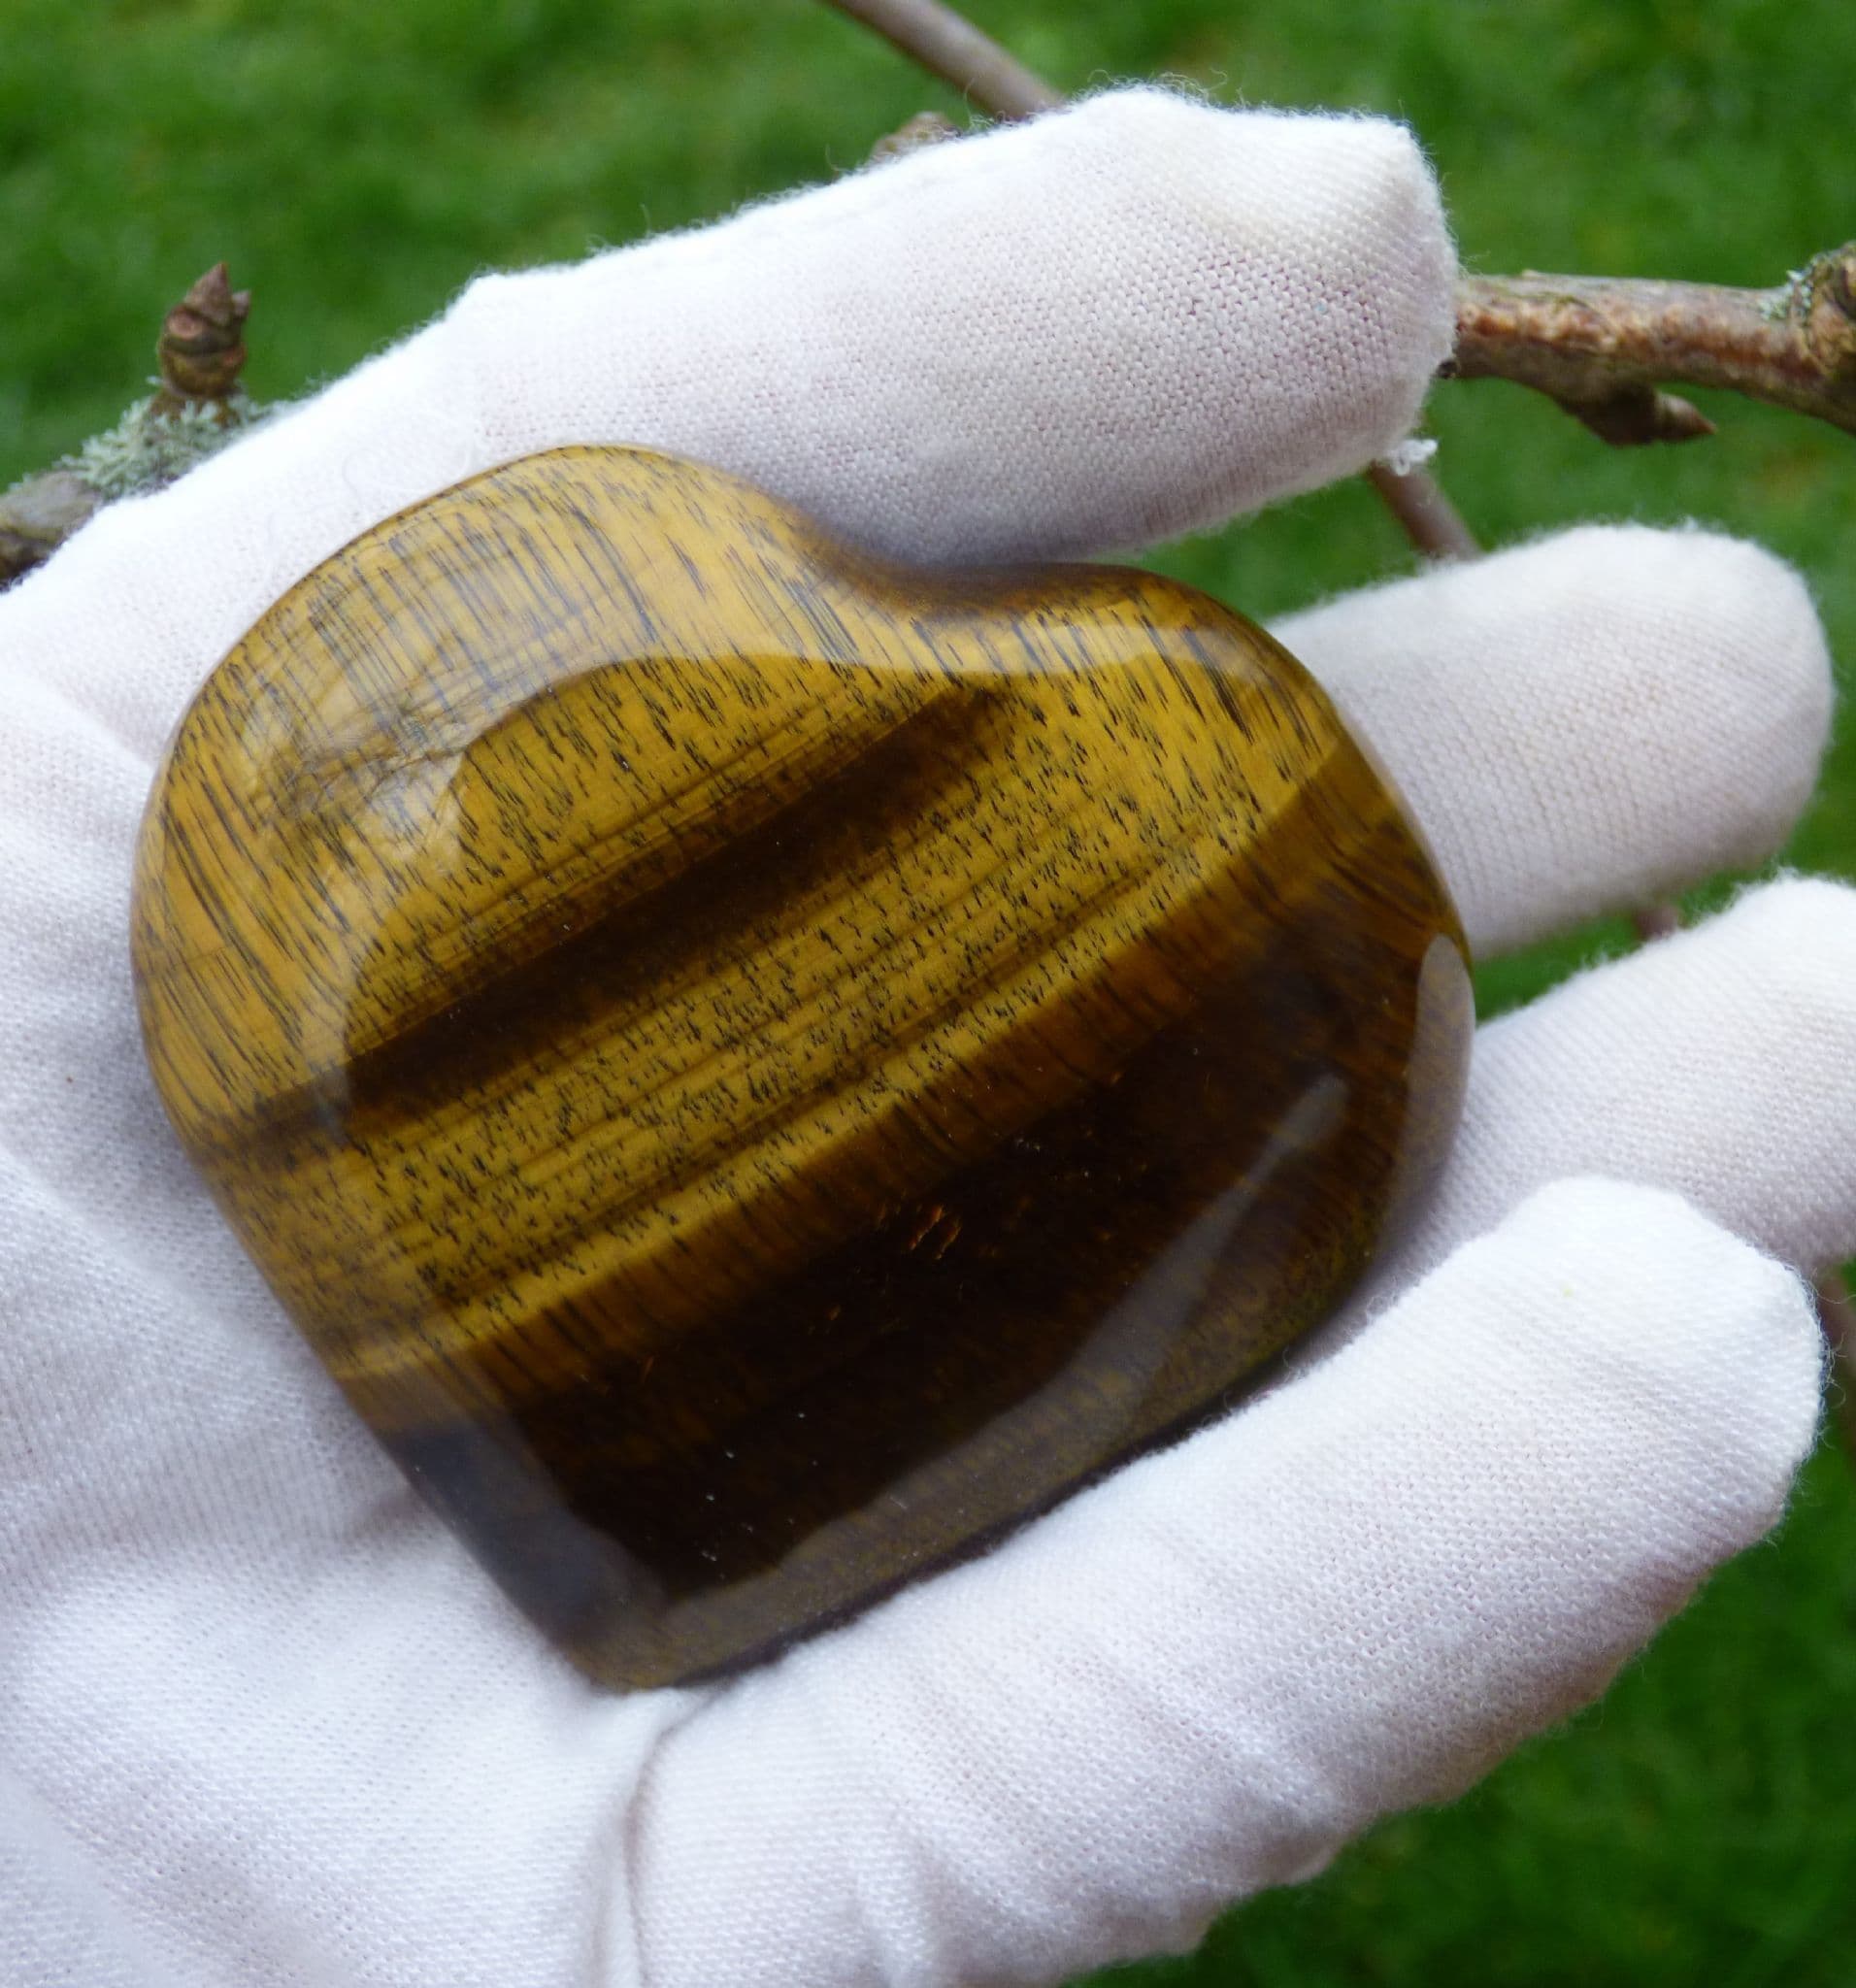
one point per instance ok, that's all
(757, 1069)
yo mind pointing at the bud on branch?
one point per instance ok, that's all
(196, 407)
(1603, 347)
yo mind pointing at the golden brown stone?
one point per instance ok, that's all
(757, 1069)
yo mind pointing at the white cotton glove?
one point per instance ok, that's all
(262, 1721)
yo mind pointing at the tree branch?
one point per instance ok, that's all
(948, 46)
(1603, 347)
(1425, 513)
(196, 404)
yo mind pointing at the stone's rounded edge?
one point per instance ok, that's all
(1261, 649)
(1195, 623)
(1318, 692)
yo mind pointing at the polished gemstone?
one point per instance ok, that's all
(758, 1070)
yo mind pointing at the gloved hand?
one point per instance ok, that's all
(262, 1721)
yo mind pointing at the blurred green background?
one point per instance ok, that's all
(357, 162)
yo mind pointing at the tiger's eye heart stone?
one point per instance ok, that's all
(757, 1069)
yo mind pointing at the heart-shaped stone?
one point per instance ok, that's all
(758, 1070)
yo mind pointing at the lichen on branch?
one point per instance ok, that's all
(1605, 348)
(197, 406)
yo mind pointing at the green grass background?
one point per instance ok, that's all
(357, 161)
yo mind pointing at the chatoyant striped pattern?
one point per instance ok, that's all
(759, 1071)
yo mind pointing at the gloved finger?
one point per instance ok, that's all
(1588, 722)
(1135, 317)
(1719, 1063)
(1118, 321)
(1202, 1676)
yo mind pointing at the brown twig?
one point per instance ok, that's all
(198, 356)
(1603, 348)
(1427, 517)
(948, 46)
